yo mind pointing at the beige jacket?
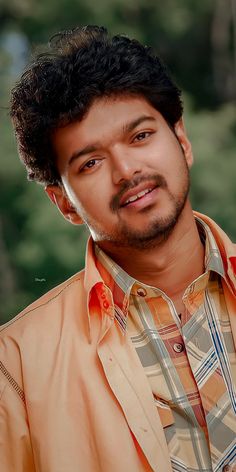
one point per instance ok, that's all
(73, 394)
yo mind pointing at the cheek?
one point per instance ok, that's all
(91, 199)
(162, 154)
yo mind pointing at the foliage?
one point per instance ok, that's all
(39, 249)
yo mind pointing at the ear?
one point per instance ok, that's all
(184, 141)
(58, 196)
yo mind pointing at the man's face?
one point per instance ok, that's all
(124, 171)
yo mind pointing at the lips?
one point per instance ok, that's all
(136, 193)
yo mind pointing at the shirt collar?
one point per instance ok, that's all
(120, 283)
(213, 259)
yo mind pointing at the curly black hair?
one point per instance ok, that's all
(60, 85)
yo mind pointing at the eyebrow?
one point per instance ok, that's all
(127, 128)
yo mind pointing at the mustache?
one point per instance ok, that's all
(157, 179)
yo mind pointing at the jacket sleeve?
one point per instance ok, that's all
(15, 444)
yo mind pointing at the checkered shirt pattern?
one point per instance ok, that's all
(190, 362)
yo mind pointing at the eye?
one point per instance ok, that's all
(89, 164)
(142, 135)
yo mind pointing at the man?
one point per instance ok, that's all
(129, 365)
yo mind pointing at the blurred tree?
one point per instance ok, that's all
(223, 45)
(38, 249)
(197, 39)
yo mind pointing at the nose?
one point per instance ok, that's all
(124, 165)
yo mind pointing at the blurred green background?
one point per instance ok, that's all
(197, 39)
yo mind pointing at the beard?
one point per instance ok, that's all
(157, 230)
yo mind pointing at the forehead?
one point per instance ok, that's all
(118, 109)
(105, 118)
(107, 112)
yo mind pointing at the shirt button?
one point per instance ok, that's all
(141, 292)
(178, 347)
(106, 304)
(229, 468)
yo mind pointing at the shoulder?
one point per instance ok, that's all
(34, 334)
(50, 304)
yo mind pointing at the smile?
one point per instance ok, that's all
(137, 196)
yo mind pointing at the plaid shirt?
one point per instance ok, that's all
(190, 362)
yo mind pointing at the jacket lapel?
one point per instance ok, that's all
(129, 384)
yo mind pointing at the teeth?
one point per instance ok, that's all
(139, 195)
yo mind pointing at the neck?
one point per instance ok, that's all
(172, 265)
